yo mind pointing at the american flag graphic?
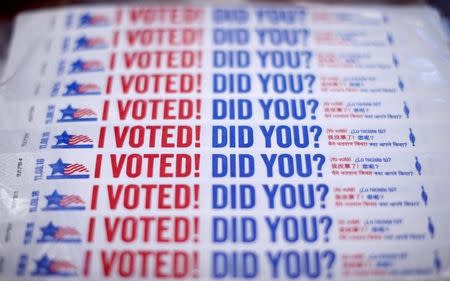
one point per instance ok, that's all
(87, 88)
(77, 89)
(66, 140)
(92, 65)
(82, 112)
(88, 19)
(63, 232)
(61, 170)
(72, 114)
(46, 266)
(81, 65)
(86, 43)
(76, 139)
(98, 19)
(70, 199)
(61, 265)
(74, 168)
(53, 233)
(95, 42)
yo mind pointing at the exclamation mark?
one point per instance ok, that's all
(112, 61)
(196, 229)
(199, 109)
(197, 135)
(199, 83)
(87, 262)
(115, 39)
(118, 16)
(91, 229)
(98, 165)
(200, 36)
(200, 59)
(197, 165)
(101, 137)
(94, 197)
(105, 110)
(195, 260)
(196, 195)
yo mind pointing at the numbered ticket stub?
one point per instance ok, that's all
(258, 142)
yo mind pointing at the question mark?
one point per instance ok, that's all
(330, 256)
(328, 222)
(310, 78)
(314, 104)
(317, 132)
(308, 55)
(324, 193)
(321, 159)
